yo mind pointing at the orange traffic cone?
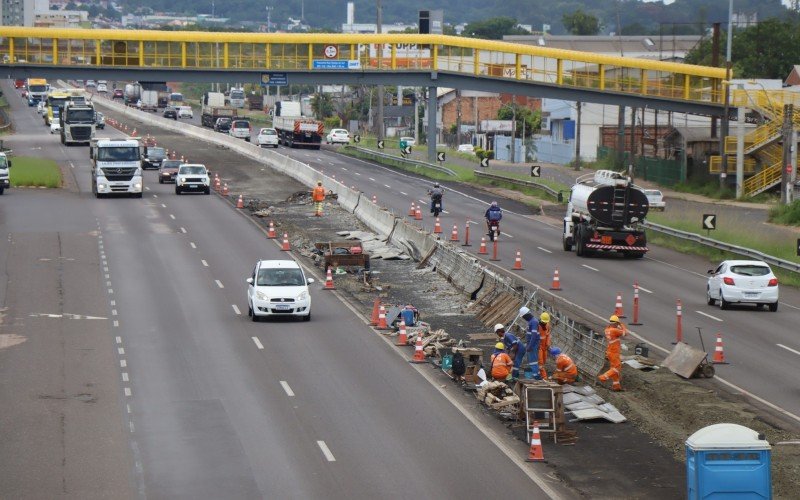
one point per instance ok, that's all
(375, 199)
(375, 311)
(271, 232)
(417, 213)
(482, 249)
(454, 234)
(719, 352)
(240, 202)
(518, 262)
(437, 227)
(411, 210)
(225, 189)
(618, 307)
(419, 354)
(556, 281)
(536, 454)
(382, 319)
(285, 246)
(402, 339)
(329, 281)
(133, 134)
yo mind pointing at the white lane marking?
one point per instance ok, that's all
(155, 196)
(171, 216)
(219, 283)
(590, 267)
(130, 424)
(387, 186)
(506, 234)
(123, 363)
(183, 230)
(404, 194)
(163, 206)
(319, 159)
(289, 391)
(204, 263)
(108, 276)
(119, 340)
(191, 244)
(343, 168)
(356, 173)
(125, 377)
(236, 309)
(121, 351)
(105, 268)
(788, 349)
(108, 283)
(644, 289)
(128, 391)
(422, 201)
(325, 451)
(372, 179)
(113, 312)
(146, 188)
(709, 316)
(258, 343)
(71, 165)
(110, 291)
(116, 323)
(544, 250)
(128, 407)
(445, 212)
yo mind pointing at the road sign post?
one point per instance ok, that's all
(709, 223)
(484, 162)
(536, 171)
(356, 138)
(440, 156)
(380, 144)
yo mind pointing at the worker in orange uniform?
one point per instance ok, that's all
(566, 370)
(614, 333)
(544, 342)
(501, 363)
(318, 195)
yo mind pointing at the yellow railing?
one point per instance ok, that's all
(763, 180)
(715, 165)
(755, 138)
(360, 52)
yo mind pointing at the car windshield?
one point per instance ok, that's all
(120, 153)
(280, 277)
(267, 131)
(750, 270)
(80, 116)
(223, 121)
(3, 162)
(237, 94)
(198, 170)
(157, 153)
(241, 124)
(171, 164)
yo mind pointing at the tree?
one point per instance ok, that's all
(581, 23)
(528, 120)
(322, 105)
(494, 28)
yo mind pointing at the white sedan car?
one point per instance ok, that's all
(742, 282)
(339, 135)
(185, 112)
(102, 87)
(466, 148)
(55, 127)
(278, 288)
(656, 199)
(267, 137)
(410, 141)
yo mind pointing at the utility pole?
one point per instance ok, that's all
(726, 109)
(458, 117)
(578, 139)
(513, 125)
(621, 137)
(787, 133)
(378, 26)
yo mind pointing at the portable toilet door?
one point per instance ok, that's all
(728, 461)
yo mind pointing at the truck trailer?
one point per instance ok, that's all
(214, 107)
(295, 130)
(605, 214)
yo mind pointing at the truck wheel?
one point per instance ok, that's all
(567, 243)
(137, 195)
(2, 190)
(579, 250)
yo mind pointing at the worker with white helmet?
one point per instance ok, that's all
(531, 346)
(509, 340)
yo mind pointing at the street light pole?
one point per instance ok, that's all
(726, 108)
(378, 28)
(513, 125)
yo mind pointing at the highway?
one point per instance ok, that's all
(215, 406)
(762, 347)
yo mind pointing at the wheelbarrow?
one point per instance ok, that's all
(688, 362)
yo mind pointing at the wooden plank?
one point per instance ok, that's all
(481, 300)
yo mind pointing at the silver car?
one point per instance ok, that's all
(742, 282)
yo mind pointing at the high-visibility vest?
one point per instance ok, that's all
(318, 194)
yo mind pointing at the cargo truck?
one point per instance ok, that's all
(37, 90)
(5, 164)
(214, 107)
(116, 166)
(148, 100)
(605, 214)
(236, 98)
(133, 92)
(77, 121)
(255, 101)
(295, 130)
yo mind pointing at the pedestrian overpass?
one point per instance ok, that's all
(357, 59)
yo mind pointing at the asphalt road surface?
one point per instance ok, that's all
(762, 347)
(213, 405)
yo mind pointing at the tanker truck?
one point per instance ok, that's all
(605, 214)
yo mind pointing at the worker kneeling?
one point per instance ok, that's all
(501, 363)
(566, 370)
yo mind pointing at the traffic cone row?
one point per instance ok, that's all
(678, 322)
(418, 213)
(536, 453)
(454, 234)
(635, 304)
(411, 211)
(482, 249)
(329, 281)
(271, 232)
(285, 247)
(556, 281)
(225, 189)
(382, 318)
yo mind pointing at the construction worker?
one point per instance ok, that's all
(509, 340)
(531, 349)
(614, 333)
(501, 363)
(318, 195)
(566, 370)
(544, 341)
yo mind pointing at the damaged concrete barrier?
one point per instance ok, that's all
(380, 221)
(348, 198)
(460, 269)
(417, 242)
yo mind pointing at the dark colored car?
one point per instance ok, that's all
(171, 113)
(118, 94)
(169, 168)
(222, 125)
(153, 157)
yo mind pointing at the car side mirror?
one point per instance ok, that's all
(710, 271)
(309, 280)
(249, 281)
(9, 163)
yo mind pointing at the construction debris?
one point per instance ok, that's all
(585, 404)
(496, 395)
(375, 245)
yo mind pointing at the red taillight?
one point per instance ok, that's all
(728, 281)
(773, 282)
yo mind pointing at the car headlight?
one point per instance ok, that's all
(261, 296)
(137, 185)
(303, 296)
(164, 174)
(101, 186)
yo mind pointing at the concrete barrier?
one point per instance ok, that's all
(380, 221)
(417, 242)
(468, 274)
(348, 198)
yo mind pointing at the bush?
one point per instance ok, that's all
(786, 214)
(332, 122)
(484, 153)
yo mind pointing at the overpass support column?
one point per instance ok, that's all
(432, 134)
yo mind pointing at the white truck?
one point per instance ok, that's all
(116, 166)
(5, 164)
(236, 98)
(148, 100)
(294, 129)
(77, 123)
(214, 107)
(605, 214)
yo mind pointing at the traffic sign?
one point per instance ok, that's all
(440, 156)
(331, 51)
(798, 247)
(536, 171)
(484, 162)
(407, 150)
(357, 138)
(789, 168)
(403, 154)
(274, 79)
(380, 144)
(709, 221)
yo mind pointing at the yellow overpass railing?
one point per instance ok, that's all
(52, 47)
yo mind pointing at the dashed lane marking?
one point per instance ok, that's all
(183, 230)
(125, 377)
(163, 206)
(128, 391)
(204, 263)
(116, 324)
(121, 351)
(155, 196)
(289, 391)
(645, 290)
(123, 363)
(372, 179)
(191, 244)
(171, 216)
(590, 267)
(356, 173)
(258, 343)
(788, 349)
(236, 309)
(544, 250)
(219, 283)
(326, 451)
(387, 186)
(709, 316)
(404, 194)
(119, 340)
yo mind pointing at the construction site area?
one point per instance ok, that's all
(601, 444)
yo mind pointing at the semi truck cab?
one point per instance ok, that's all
(116, 167)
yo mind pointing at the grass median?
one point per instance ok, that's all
(35, 172)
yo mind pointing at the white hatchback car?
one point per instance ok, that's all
(267, 137)
(466, 148)
(102, 87)
(656, 199)
(742, 282)
(339, 135)
(278, 288)
(55, 127)
(185, 112)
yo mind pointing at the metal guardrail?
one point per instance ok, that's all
(519, 182)
(755, 254)
(414, 163)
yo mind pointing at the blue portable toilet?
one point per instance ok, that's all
(728, 461)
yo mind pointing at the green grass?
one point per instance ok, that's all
(29, 171)
(786, 214)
